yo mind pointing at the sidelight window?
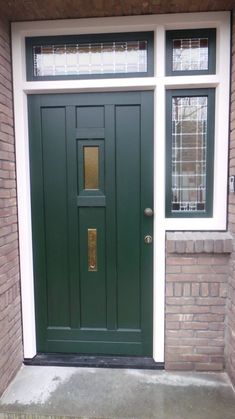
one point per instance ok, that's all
(189, 154)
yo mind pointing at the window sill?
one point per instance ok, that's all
(199, 242)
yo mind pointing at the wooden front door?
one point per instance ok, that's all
(91, 162)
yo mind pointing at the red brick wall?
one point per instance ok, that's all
(67, 9)
(196, 290)
(10, 311)
(230, 321)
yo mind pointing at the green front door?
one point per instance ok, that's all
(91, 162)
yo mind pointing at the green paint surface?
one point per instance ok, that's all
(108, 311)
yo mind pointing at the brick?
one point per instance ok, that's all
(179, 333)
(194, 358)
(219, 309)
(220, 269)
(172, 325)
(214, 289)
(187, 341)
(186, 290)
(199, 246)
(209, 246)
(178, 350)
(208, 317)
(195, 290)
(216, 326)
(180, 246)
(220, 260)
(190, 247)
(228, 245)
(181, 301)
(208, 334)
(170, 246)
(213, 277)
(195, 325)
(186, 309)
(223, 290)
(218, 246)
(181, 260)
(10, 310)
(178, 290)
(197, 269)
(209, 301)
(173, 269)
(179, 366)
(169, 290)
(209, 366)
(204, 290)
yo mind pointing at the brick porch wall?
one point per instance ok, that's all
(230, 320)
(197, 267)
(10, 311)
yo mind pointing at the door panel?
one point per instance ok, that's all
(92, 283)
(91, 178)
(128, 215)
(55, 189)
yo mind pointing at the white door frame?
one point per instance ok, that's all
(159, 83)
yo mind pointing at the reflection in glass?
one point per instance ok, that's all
(91, 167)
(190, 54)
(189, 145)
(90, 58)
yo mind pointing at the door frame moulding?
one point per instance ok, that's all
(158, 83)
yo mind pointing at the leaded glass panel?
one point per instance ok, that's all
(90, 58)
(190, 54)
(190, 51)
(189, 151)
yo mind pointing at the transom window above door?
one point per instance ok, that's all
(190, 52)
(90, 56)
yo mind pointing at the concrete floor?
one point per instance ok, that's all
(113, 393)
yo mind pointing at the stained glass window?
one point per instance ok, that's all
(189, 143)
(90, 58)
(190, 52)
(189, 147)
(72, 56)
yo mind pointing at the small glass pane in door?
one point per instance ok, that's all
(91, 167)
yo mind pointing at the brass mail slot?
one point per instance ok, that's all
(92, 249)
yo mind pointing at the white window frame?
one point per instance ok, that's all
(159, 83)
